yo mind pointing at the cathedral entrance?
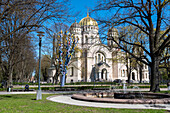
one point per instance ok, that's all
(104, 74)
(133, 76)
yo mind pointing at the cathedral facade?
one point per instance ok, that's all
(96, 61)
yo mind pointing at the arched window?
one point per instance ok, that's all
(146, 75)
(86, 39)
(71, 71)
(123, 74)
(98, 58)
(77, 38)
(133, 76)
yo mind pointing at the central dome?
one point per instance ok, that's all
(88, 21)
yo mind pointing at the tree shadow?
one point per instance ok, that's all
(8, 96)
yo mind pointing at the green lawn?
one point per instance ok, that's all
(28, 104)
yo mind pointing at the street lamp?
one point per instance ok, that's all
(39, 94)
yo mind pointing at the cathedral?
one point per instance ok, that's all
(96, 61)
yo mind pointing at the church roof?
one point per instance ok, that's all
(88, 21)
(75, 25)
(112, 29)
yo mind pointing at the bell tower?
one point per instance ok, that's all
(112, 35)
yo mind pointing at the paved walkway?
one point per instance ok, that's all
(43, 92)
(66, 99)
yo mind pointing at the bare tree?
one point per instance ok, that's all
(165, 62)
(25, 59)
(151, 18)
(20, 17)
(46, 61)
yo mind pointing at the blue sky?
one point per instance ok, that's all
(82, 6)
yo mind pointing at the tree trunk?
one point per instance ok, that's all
(0, 56)
(55, 78)
(10, 72)
(57, 74)
(140, 73)
(128, 72)
(154, 80)
(10, 76)
(128, 66)
(129, 76)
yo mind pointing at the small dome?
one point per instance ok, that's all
(75, 25)
(88, 21)
(112, 29)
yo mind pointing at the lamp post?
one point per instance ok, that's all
(39, 94)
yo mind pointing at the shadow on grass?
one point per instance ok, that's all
(2, 97)
(8, 96)
(17, 96)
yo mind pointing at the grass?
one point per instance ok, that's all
(27, 104)
(165, 92)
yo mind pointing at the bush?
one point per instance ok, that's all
(24, 83)
(90, 83)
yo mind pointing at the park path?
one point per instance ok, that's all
(66, 99)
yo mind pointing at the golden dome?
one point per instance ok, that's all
(88, 21)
